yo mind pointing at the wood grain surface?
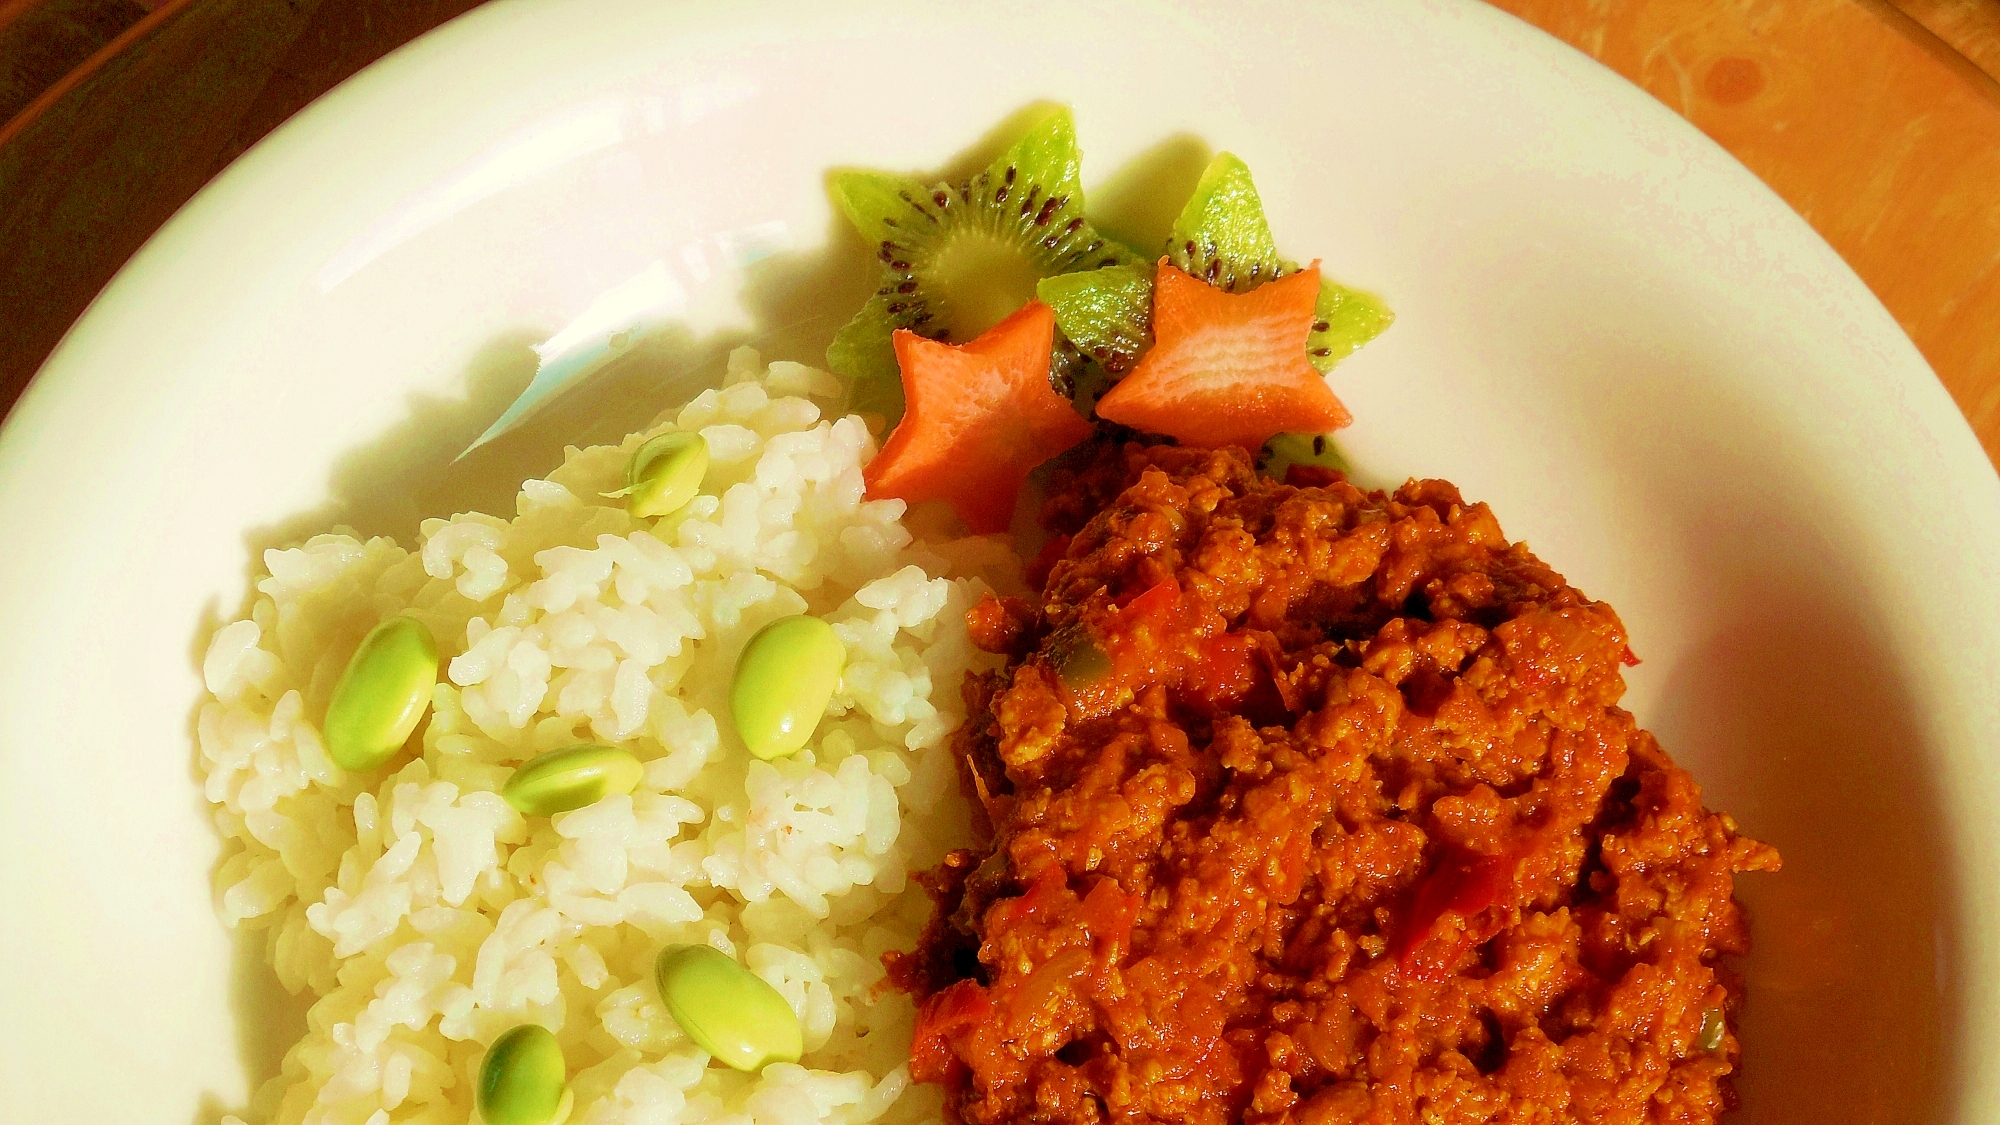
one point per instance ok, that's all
(1875, 129)
(1879, 123)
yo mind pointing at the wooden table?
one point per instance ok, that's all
(1879, 122)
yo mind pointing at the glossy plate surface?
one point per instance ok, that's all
(1650, 367)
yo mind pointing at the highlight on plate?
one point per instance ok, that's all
(753, 773)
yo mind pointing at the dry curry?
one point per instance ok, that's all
(1310, 804)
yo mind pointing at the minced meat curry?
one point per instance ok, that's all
(1310, 804)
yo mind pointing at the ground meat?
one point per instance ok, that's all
(1315, 805)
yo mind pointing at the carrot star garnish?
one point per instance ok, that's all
(1227, 368)
(980, 416)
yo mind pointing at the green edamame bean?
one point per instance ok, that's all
(571, 778)
(1285, 450)
(382, 695)
(1709, 1039)
(523, 1079)
(665, 473)
(784, 680)
(726, 1009)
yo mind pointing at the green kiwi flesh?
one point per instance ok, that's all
(1106, 313)
(1285, 450)
(957, 259)
(1223, 238)
(1343, 321)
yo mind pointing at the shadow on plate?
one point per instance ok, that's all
(1139, 203)
(1846, 1018)
(1794, 715)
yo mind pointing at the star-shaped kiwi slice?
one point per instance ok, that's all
(1222, 238)
(956, 259)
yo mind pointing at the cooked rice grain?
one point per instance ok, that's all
(427, 917)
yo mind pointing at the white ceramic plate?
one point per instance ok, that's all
(1654, 371)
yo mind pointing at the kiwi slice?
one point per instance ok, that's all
(1223, 238)
(959, 258)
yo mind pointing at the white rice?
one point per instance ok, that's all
(427, 917)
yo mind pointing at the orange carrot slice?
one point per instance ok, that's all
(979, 417)
(1227, 368)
